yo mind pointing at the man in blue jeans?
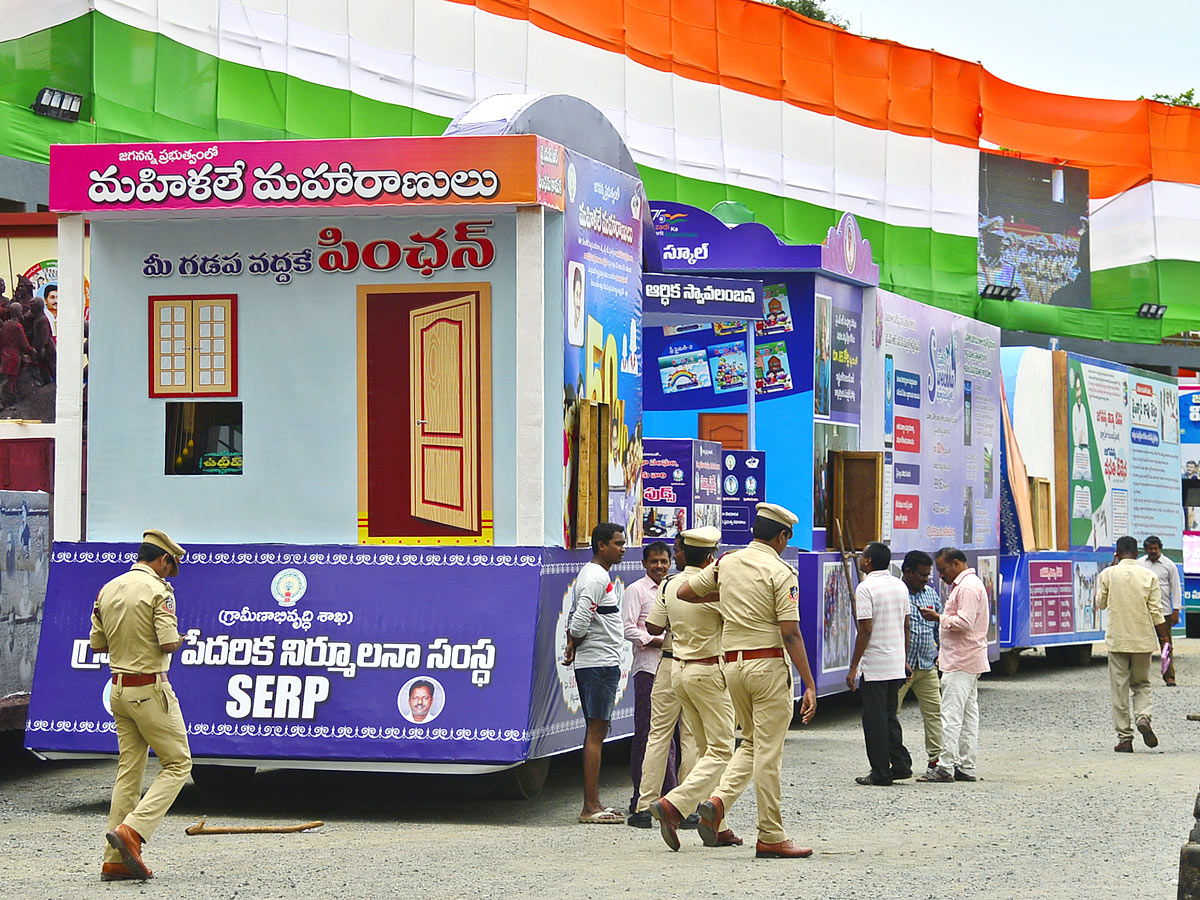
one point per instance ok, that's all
(595, 638)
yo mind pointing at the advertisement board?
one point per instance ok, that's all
(705, 366)
(1154, 454)
(681, 486)
(1124, 427)
(312, 652)
(602, 325)
(327, 174)
(1189, 438)
(1098, 426)
(936, 417)
(1050, 597)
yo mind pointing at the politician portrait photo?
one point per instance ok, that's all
(421, 699)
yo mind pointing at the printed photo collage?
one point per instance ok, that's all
(722, 367)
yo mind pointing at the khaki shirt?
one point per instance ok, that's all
(1130, 594)
(134, 614)
(695, 627)
(758, 591)
(658, 611)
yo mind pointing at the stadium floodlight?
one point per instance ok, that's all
(56, 104)
(1152, 310)
(1000, 292)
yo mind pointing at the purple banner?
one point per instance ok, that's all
(680, 486)
(312, 652)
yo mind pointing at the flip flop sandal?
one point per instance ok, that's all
(607, 816)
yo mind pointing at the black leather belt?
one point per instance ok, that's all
(667, 654)
(608, 609)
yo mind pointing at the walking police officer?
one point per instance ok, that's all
(759, 600)
(134, 621)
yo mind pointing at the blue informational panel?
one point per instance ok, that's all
(314, 652)
(743, 486)
(1049, 597)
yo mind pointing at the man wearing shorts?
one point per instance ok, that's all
(595, 637)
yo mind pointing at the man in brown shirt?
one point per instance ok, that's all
(134, 621)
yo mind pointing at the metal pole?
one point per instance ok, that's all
(751, 439)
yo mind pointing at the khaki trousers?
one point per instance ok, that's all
(665, 712)
(924, 685)
(146, 716)
(761, 691)
(1129, 672)
(705, 698)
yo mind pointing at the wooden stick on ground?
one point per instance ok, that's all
(201, 828)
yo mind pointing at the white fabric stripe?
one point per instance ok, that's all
(1160, 219)
(440, 57)
(34, 17)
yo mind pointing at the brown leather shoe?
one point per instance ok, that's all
(728, 839)
(669, 819)
(782, 850)
(1124, 747)
(128, 843)
(711, 813)
(119, 872)
(1148, 735)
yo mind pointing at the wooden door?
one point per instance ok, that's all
(443, 393)
(728, 429)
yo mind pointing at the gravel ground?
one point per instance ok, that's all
(1057, 814)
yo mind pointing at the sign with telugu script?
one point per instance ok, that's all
(221, 464)
(331, 174)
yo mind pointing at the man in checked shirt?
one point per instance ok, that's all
(923, 650)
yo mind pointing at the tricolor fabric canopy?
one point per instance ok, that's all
(716, 99)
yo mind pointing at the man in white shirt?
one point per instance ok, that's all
(594, 639)
(1170, 590)
(881, 653)
(647, 651)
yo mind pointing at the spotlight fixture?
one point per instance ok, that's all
(1151, 310)
(1000, 292)
(56, 104)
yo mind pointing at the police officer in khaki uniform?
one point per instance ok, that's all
(665, 713)
(759, 596)
(134, 622)
(700, 686)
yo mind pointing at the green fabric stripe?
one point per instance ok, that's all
(142, 86)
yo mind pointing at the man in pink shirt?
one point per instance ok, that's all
(647, 651)
(962, 659)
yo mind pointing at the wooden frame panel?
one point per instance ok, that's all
(191, 351)
(855, 497)
(483, 324)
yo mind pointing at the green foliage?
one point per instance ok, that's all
(1183, 98)
(813, 9)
